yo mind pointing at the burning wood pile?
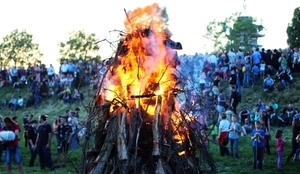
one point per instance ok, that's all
(137, 118)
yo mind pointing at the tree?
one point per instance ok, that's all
(235, 32)
(293, 30)
(18, 48)
(79, 46)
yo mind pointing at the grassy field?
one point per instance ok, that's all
(243, 164)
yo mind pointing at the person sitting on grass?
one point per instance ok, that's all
(20, 102)
(246, 128)
(12, 104)
(268, 84)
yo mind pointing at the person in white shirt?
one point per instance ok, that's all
(20, 102)
(50, 72)
(223, 135)
(232, 58)
(213, 60)
(262, 68)
(64, 68)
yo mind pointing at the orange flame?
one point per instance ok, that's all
(145, 68)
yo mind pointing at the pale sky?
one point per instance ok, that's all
(51, 21)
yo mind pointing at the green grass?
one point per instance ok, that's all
(243, 164)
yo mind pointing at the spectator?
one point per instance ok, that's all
(50, 72)
(30, 101)
(234, 99)
(268, 84)
(246, 128)
(262, 68)
(20, 102)
(216, 84)
(244, 114)
(234, 130)
(73, 122)
(65, 133)
(37, 95)
(255, 71)
(43, 143)
(56, 123)
(32, 135)
(222, 136)
(247, 74)
(295, 132)
(221, 103)
(26, 125)
(12, 104)
(64, 68)
(12, 148)
(257, 137)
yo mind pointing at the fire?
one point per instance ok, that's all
(145, 68)
(145, 71)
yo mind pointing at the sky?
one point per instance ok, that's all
(51, 21)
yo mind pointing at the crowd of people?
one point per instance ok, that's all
(40, 83)
(67, 130)
(241, 70)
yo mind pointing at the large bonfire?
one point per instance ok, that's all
(136, 117)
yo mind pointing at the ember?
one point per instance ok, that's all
(138, 124)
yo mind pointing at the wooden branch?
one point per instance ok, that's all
(122, 136)
(99, 124)
(107, 147)
(156, 128)
(160, 167)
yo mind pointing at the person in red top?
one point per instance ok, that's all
(12, 147)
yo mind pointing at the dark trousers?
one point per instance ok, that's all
(294, 149)
(257, 156)
(32, 157)
(267, 146)
(45, 157)
(224, 150)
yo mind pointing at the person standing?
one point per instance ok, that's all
(257, 137)
(222, 136)
(64, 132)
(73, 122)
(234, 99)
(295, 131)
(43, 143)
(12, 147)
(280, 144)
(234, 130)
(32, 134)
(221, 103)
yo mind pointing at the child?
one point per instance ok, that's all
(280, 144)
(255, 71)
(234, 130)
(214, 132)
(257, 137)
(262, 68)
